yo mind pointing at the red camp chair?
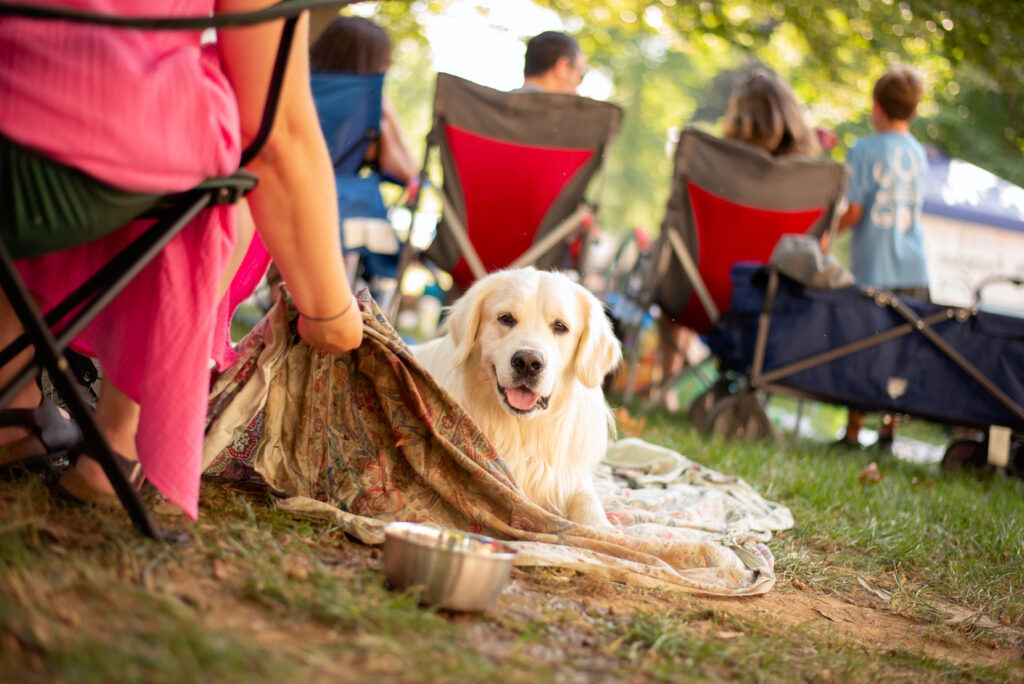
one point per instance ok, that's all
(516, 167)
(731, 202)
(50, 333)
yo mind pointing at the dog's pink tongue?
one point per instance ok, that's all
(522, 399)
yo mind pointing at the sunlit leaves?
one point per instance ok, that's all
(969, 51)
(673, 62)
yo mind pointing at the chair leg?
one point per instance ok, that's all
(633, 358)
(405, 259)
(48, 355)
(670, 382)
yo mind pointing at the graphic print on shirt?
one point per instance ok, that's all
(897, 193)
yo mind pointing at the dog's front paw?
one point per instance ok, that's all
(585, 509)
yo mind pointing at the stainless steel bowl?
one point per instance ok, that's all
(448, 568)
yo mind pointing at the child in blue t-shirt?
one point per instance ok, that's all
(885, 195)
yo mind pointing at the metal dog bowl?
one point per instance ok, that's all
(448, 568)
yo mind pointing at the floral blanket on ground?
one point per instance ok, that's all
(367, 437)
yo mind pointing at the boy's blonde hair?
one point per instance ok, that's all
(898, 92)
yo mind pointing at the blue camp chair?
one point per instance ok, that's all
(349, 108)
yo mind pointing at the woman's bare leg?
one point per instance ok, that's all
(246, 229)
(117, 416)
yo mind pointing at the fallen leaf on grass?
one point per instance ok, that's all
(68, 615)
(825, 615)
(870, 475)
(296, 566)
(728, 636)
(880, 593)
(959, 616)
(220, 570)
(612, 648)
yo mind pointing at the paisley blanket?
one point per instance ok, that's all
(367, 437)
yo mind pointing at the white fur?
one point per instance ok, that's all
(552, 451)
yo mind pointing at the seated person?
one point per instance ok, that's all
(155, 340)
(354, 45)
(554, 63)
(762, 111)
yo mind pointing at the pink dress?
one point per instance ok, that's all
(146, 111)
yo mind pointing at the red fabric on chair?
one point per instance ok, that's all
(728, 232)
(502, 218)
(729, 202)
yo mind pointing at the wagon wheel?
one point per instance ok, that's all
(965, 453)
(703, 405)
(740, 417)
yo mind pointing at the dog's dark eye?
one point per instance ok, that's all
(560, 328)
(507, 320)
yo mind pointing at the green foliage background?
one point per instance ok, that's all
(673, 62)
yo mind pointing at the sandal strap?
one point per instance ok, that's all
(132, 470)
(73, 486)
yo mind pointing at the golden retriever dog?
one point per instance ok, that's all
(525, 352)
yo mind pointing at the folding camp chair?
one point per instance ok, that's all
(50, 334)
(731, 202)
(349, 108)
(516, 167)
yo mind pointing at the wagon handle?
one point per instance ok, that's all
(1015, 280)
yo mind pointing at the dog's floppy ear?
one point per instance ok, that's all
(463, 324)
(599, 351)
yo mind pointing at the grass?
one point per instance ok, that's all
(260, 595)
(959, 534)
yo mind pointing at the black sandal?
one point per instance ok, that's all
(71, 485)
(52, 435)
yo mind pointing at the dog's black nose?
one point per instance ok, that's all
(527, 363)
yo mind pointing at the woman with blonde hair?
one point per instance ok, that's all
(763, 111)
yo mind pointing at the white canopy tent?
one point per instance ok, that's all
(974, 231)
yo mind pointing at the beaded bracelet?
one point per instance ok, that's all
(330, 318)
